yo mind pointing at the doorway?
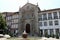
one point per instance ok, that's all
(28, 28)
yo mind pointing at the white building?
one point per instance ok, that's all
(12, 20)
(49, 21)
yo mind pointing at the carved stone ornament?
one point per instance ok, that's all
(32, 9)
(27, 7)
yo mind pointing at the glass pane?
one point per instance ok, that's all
(56, 22)
(50, 23)
(39, 17)
(44, 16)
(59, 14)
(51, 31)
(55, 15)
(49, 16)
(45, 23)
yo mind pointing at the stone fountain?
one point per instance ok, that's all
(24, 35)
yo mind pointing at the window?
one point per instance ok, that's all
(32, 14)
(51, 31)
(15, 16)
(9, 18)
(16, 21)
(49, 16)
(55, 15)
(14, 26)
(40, 24)
(45, 23)
(8, 23)
(59, 14)
(56, 22)
(57, 30)
(40, 18)
(50, 23)
(44, 16)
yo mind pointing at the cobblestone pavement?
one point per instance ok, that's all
(34, 38)
(43, 38)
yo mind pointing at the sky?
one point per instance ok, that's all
(14, 5)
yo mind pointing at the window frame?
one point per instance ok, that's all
(49, 16)
(55, 16)
(45, 23)
(44, 16)
(50, 23)
(56, 22)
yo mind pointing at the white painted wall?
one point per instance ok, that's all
(50, 27)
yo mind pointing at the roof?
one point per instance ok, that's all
(51, 10)
(10, 13)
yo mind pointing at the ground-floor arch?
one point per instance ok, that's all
(28, 28)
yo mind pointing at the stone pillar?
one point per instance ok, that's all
(43, 32)
(48, 32)
(59, 32)
(54, 32)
